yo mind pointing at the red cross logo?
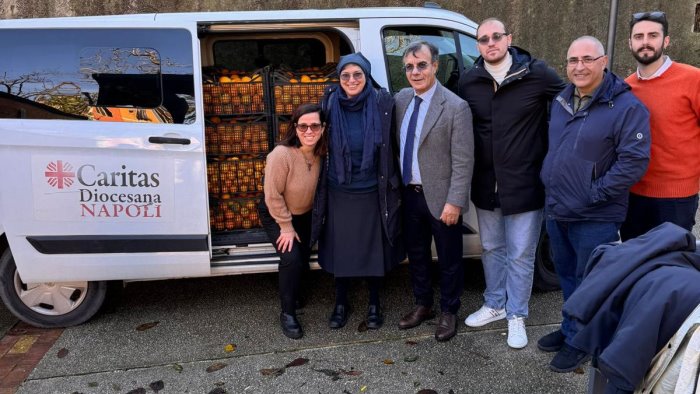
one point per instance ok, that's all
(59, 174)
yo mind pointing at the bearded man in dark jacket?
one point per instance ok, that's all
(509, 93)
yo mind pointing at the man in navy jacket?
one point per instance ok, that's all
(599, 147)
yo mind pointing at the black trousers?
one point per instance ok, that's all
(420, 227)
(292, 264)
(645, 213)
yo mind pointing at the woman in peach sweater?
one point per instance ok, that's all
(291, 175)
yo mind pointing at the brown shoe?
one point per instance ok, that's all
(447, 327)
(414, 318)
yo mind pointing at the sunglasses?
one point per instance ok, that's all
(655, 16)
(314, 127)
(422, 66)
(357, 76)
(496, 37)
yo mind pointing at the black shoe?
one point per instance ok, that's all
(551, 342)
(374, 317)
(339, 317)
(290, 326)
(568, 359)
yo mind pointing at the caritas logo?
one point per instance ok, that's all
(59, 174)
(108, 191)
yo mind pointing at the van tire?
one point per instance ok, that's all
(546, 278)
(85, 300)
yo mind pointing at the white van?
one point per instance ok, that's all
(133, 146)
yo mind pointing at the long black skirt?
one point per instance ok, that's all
(353, 243)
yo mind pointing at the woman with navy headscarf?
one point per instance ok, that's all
(356, 211)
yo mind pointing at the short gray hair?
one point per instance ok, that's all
(416, 46)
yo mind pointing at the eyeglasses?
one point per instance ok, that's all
(587, 61)
(656, 16)
(303, 127)
(496, 37)
(357, 76)
(422, 66)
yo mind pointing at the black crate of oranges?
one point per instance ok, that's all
(236, 136)
(294, 87)
(230, 92)
(235, 214)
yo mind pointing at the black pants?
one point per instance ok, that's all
(292, 264)
(419, 228)
(645, 213)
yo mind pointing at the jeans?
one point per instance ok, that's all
(572, 244)
(509, 244)
(645, 213)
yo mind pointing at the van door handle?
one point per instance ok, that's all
(169, 140)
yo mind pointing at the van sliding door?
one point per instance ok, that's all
(101, 156)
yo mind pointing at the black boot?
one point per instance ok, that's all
(374, 317)
(339, 317)
(290, 326)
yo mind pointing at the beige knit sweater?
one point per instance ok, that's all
(290, 185)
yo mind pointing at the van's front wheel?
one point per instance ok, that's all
(51, 304)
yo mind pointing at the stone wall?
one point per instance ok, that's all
(543, 27)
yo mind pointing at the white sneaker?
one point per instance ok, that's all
(517, 338)
(484, 315)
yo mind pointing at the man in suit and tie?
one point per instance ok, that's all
(437, 157)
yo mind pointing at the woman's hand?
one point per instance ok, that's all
(286, 240)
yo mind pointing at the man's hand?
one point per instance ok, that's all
(450, 214)
(286, 240)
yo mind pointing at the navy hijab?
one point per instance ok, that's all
(367, 102)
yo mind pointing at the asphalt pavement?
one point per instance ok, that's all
(218, 335)
(221, 335)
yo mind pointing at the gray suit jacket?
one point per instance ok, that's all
(445, 148)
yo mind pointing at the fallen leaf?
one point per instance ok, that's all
(139, 390)
(93, 384)
(157, 385)
(297, 362)
(147, 326)
(215, 367)
(441, 372)
(451, 392)
(410, 359)
(63, 352)
(427, 391)
(177, 367)
(230, 348)
(411, 343)
(334, 375)
(218, 390)
(416, 384)
(272, 371)
(363, 389)
(362, 327)
(388, 361)
(351, 373)
(579, 371)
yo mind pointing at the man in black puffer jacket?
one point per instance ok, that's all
(508, 92)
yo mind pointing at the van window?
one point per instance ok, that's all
(251, 54)
(470, 52)
(122, 75)
(397, 38)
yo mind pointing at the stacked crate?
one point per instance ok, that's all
(237, 138)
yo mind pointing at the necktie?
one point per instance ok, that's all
(407, 162)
